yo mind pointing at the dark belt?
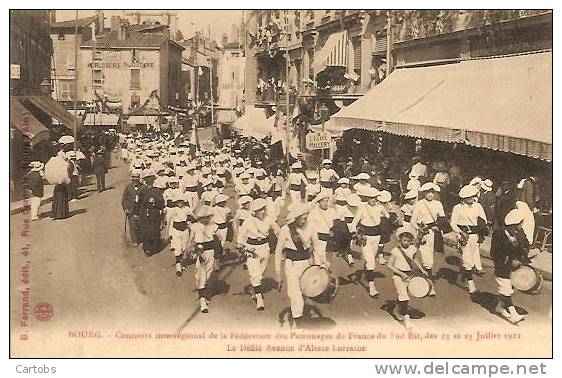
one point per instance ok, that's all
(326, 184)
(341, 202)
(349, 219)
(208, 245)
(221, 176)
(170, 203)
(191, 189)
(222, 226)
(180, 226)
(407, 218)
(294, 255)
(208, 203)
(295, 187)
(323, 237)
(469, 229)
(260, 241)
(371, 230)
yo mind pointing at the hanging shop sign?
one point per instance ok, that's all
(318, 141)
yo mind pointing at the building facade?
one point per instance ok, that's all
(230, 81)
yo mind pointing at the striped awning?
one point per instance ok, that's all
(22, 119)
(334, 53)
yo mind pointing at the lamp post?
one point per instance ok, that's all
(323, 112)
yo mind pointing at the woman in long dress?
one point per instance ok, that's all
(60, 194)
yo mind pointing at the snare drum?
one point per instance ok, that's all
(526, 279)
(318, 283)
(418, 287)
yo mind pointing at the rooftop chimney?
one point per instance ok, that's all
(100, 22)
(122, 31)
(115, 22)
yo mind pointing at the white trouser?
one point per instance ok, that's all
(35, 202)
(204, 267)
(295, 196)
(293, 272)
(369, 251)
(168, 212)
(320, 252)
(257, 265)
(221, 233)
(426, 250)
(178, 243)
(471, 253)
(193, 199)
(401, 288)
(504, 286)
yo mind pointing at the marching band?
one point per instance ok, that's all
(186, 198)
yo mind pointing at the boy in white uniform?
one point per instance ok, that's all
(254, 235)
(295, 183)
(402, 262)
(424, 219)
(464, 221)
(180, 219)
(367, 222)
(328, 176)
(407, 207)
(312, 188)
(190, 185)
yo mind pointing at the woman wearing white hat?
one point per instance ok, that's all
(367, 222)
(294, 245)
(424, 221)
(254, 235)
(464, 221)
(205, 244)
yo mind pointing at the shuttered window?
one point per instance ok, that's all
(357, 53)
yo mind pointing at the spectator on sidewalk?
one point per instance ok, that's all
(100, 169)
(35, 181)
(131, 203)
(73, 174)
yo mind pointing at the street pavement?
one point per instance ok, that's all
(85, 268)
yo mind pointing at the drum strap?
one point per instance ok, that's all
(297, 241)
(408, 260)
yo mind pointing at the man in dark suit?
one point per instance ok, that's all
(132, 204)
(99, 168)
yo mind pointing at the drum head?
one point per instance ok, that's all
(418, 287)
(524, 278)
(314, 281)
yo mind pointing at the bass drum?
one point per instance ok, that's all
(526, 279)
(418, 287)
(319, 284)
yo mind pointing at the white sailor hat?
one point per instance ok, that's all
(468, 191)
(477, 181)
(296, 211)
(340, 196)
(353, 200)
(173, 180)
(430, 186)
(343, 180)
(206, 182)
(221, 198)
(36, 165)
(258, 204)
(296, 165)
(405, 229)
(244, 199)
(515, 216)
(326, 161)
(411, 195)
(413, 176)
(322, 195)
(384, 196)
(369, 192)
(362, 176)
(205, 170)
(312, 175)
(204, 211)
(487, 185)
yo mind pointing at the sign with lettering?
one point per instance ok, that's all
(318, 141)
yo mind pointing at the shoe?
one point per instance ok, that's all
(503, 312)
(397, 314)
(372, 290)
(471, 287)
(178, 273)
(407, 322)
(350, 260)
(515, 317)
(203, 305)
(135, 244)
(432, 292)
(260, 306)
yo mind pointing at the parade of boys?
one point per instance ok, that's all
(236, 204)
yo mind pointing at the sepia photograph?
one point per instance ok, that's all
(280, 183)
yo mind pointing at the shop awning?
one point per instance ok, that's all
(101, 119)
(26, 123)
(334, 53)
(142, 120)
(54, 109)
(253, 123)
(500, 103)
